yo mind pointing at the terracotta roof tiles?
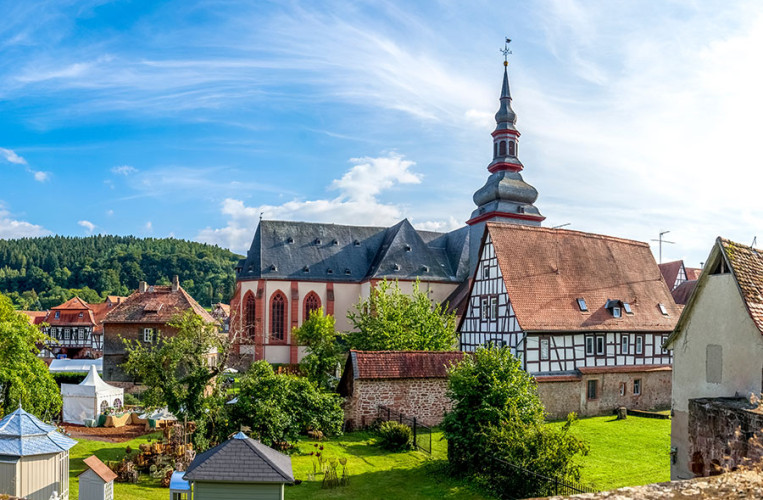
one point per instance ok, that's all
(545, 270)
(747, 265)
(402, 364)
(100, 469)
(159, 304)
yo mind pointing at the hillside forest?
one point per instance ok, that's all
(39, 273)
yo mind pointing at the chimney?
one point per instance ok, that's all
(142, 287)
(175, 283)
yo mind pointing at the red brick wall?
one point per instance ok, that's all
(421, 398)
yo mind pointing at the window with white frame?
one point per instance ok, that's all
(494, 308)
(616, 312)
(148, 335)
(67, 333)
(624, 345)
(589, 345)
(639, 344)
(637, 387)
(486, 272)
(544, 348)
(600, 345)
(664, 340)
(484, 306)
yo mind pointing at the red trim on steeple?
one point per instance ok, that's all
(514, 167)
(496, 133)
(490, 215)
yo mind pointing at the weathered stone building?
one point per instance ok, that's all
(140, 317)
(411, 382)
(717, 344)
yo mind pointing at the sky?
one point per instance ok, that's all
(195, 119)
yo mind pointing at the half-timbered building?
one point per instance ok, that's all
(587, 315)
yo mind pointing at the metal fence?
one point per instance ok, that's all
(422, 434)
(518, 482)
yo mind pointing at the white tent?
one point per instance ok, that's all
(75, 365)
(89, 398)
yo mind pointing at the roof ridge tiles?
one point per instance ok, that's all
(511, 226)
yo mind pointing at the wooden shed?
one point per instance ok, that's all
(97, 481)
(34, 458)
(240, 468)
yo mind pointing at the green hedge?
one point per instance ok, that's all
(68, 377)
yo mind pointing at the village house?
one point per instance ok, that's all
(295, 267)
(411, 382)
(586, 314)
(718, 358)
(140, 317)
(676, 272)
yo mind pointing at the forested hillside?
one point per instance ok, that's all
(38, 273)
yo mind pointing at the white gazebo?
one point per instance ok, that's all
(89, 398)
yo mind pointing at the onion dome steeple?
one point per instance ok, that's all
(505, 197)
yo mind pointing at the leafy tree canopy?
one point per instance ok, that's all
(24, 378)
(39, 273)
(324, 352)
(390, 319)
(178, 373)
(497, 413)
(278, 408)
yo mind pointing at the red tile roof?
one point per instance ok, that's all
(159, 304)
(692, 273)
(670, 270)
(100, 468)
(546, 270)
(35, 317)
(75, 303)
(683, 291)
(747, 265)
(402, 364)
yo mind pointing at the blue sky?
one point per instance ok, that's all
(191, 119)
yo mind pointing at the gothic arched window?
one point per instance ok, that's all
(278, 317)
(249, 315)
(502, 149)
(512, 148)
(312, 303)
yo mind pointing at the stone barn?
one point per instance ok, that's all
(411, 382)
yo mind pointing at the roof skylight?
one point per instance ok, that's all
(582, 305)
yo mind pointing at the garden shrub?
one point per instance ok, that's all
(395, 436)
(497, 413)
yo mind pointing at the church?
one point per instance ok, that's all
(292, 268)
(586, 314)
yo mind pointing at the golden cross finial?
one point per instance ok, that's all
(506, 51)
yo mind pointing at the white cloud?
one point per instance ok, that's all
(123, 170)
(10, 156)
(109, 212)
(89, 226)
(14, 228)
(40, 176)
(149, 227)
(357, 203)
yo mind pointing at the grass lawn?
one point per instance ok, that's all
(626, 452)
(623, 453)
(374, 473)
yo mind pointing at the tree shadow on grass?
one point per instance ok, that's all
(428, 480)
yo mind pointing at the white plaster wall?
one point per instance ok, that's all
(719, 317)
(346, 296)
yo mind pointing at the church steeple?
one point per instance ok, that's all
(505, 196)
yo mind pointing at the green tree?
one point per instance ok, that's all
(278, 408)
(178, 373)
(317, 333)
(390, 319)
(24, 378)
(497, 413)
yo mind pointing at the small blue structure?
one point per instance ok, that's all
(38, 453)
(180, 489)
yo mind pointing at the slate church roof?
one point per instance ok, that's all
(22, 434)
(241, 460)
(309, 251)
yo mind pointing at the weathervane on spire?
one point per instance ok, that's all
(506, 51)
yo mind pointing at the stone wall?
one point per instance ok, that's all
(561, 397)
(421, 398)
(113, 348)
(723, 433)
